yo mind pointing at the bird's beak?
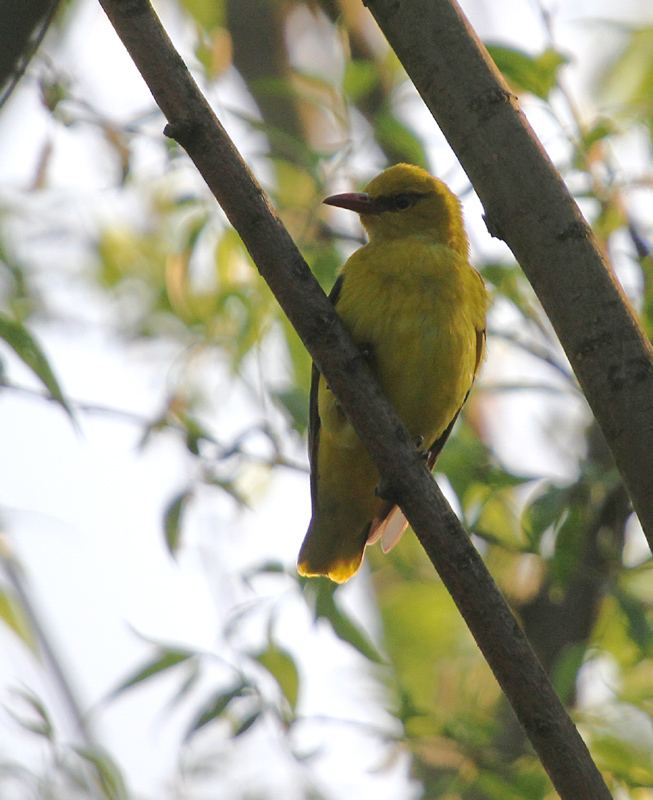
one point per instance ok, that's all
(361, 202)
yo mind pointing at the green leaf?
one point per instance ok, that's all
(281, 665)
(13, 616)
(359, 79)
(571, 538)
(629, 81)
(600, 130)
(536, 75)
(566, 669)
(472, 471)
(639, 627)
(172, 520)
(627, 760)
(16, 335)
(40, 722)
(246, 723)
(321, 593)
(546, 511)
(108, 773)
(230, 488)
(394, 136)
(207, 13)
(422, 631)
(163, 661)
(295, 402)
(216, 707)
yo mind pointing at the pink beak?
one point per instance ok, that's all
(361, 202)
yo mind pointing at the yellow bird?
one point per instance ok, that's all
(416, 309)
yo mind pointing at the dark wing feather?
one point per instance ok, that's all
(436, 448)
(313, 413)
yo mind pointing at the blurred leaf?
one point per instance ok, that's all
(321, 593)
(193, 674)
(172, 520)
(547, 510)
(16, 335)
(300, 359)
(281, 665)
(509, 280)
(13, 616)
(627, 760)
(646, 313)
(245, 724)
(611, 218)
(496, 518)
(392, 133)
(472, 471)
(629, 80)
(572, 534)
(295, 402)
(40, 722)
(230, 488)
(195, 432)
(126, 253)
(526, 781)
(567, 668)
(612, 634)
(360, 78)
(423, 631)
(639, 627)
(296, 186)
(536, 75)
(216, 707)
(207, 13)
(195, 225)
(294, 149)
(589, 148)
(231, 259)
(163, 661)
(108, 773)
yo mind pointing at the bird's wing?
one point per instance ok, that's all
(391, 523)
(313, 412)
(436, 448)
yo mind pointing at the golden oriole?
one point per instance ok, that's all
(416, 309)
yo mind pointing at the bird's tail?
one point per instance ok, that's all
(337, 554)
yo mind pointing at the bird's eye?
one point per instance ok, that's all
(403, 201)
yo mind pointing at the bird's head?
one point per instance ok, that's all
(405, 200)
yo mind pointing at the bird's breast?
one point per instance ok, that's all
(410, 306)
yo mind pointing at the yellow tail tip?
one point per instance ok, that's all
(337, 571)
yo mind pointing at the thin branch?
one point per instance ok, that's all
(193, 124)
(536, 351)
(528, 206)
(50, 656)
(222, 452)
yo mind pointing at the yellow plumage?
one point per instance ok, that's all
(416, 309)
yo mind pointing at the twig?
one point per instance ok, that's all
(193, 124)
(50, 656)
(278, 459)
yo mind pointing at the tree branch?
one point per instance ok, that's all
(527, 204)
(192, 122)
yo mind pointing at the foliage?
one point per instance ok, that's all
(559, 543)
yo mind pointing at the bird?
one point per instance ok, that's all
(416, 309)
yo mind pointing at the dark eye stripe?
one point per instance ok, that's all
(398, 202)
